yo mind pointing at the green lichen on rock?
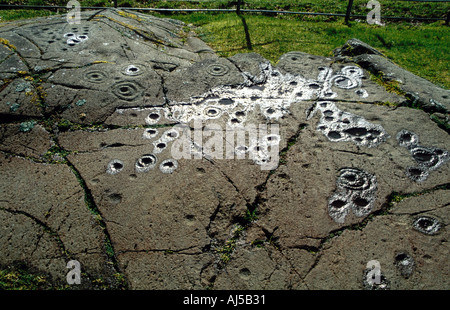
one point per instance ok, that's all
(80, 102)
(442, 120)
(390, 85)
(13, 107)
(27, 126)
(56, 155)
(25, 86)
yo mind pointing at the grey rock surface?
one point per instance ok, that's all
(129, 146)
(418, 91)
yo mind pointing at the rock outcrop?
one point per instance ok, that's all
(128, 145)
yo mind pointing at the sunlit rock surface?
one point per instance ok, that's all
(129, 146)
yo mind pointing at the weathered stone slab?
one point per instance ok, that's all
(419, 91)
(46, 222)
(312, 170)
(129, 145)
(409, 259)
(25, 139)
(259, 269)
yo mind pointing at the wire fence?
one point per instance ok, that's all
(235, 6)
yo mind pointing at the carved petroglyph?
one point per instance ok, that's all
(356, 191)
(427, 158)
(93, 129)
(338, 126)
(272, 93)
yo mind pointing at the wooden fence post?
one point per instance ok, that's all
(349, 9)
(238, 7)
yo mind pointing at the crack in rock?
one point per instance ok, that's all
(121, 91)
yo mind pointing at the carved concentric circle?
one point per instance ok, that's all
(345, 82)
(96, 76)
(338, 207)
(153, 117)
(126, 90)
(217, 69)
(427, 225)
(159, 146)
(150, 133)
(170, 135)
(357, 192)
(295, 57)
(424, 156)
(417, 174)
(212, 112)
(352, 71)
(407, 138)
(354, 179)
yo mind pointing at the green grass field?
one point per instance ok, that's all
(423, 48)
(389, 7)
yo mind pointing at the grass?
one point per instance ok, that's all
(230, 245)
(19, 280)
(18, 276)
(388, 7)
(421, 48)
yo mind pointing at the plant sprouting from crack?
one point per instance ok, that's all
(271, 239)
(230, 245)
(391, 86)
(19, 276)
(90, 203)
(251, 215)
(56, 155)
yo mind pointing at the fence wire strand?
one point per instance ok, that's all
(238, 10)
